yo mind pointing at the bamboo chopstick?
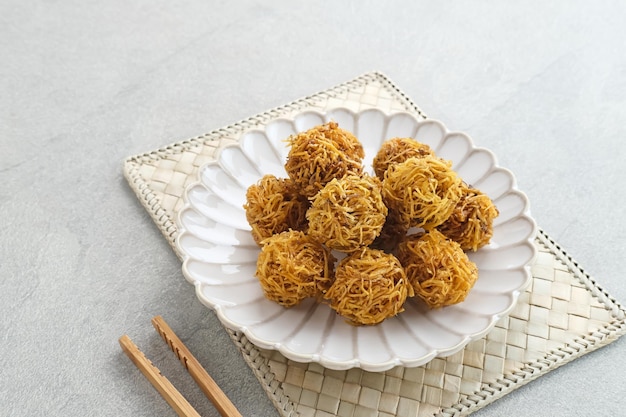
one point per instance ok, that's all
(174, 398)
(197, 372)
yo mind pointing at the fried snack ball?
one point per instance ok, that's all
(423, 191)
(398, 150)
(370, 286)
(439, 271)
(321, 154)
(292, 267)
(471, 222)
(347, 213)
(273, 205)
(394, 230)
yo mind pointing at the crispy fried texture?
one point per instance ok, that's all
(439, 271)
(392, 233)
(471, 222)
(369, 287)
(273, 205)
(321, 154)
(292, 267)
(347, 213)
(423, 191)
(328, 203)
(398, 150)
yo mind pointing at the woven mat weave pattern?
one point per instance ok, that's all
(556, 319)
(561, 316)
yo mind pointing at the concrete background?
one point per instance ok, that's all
(86, 84)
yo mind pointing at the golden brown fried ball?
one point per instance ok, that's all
(423, 191)
(471, 222)
(347, 213)
(346, 142)
(273, 205)
(394, 230)
(398, 150)
(370, 286)
(439, 271)
(292, 267)
(321, 154)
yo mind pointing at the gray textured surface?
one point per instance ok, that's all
(84, 86)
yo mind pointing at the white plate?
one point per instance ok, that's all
(220, 254)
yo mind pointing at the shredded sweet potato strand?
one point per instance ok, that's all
(347, 213)
(370, 286)
(292, 267)
(437, 268)
(423, 191)
(397, 150)
(273, 206)
(471, 221)
(321, 154)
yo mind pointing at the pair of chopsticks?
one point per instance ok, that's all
(174, 398)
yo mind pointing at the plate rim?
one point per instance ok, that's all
(354, 362)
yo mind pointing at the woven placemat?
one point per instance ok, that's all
(562, 315)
